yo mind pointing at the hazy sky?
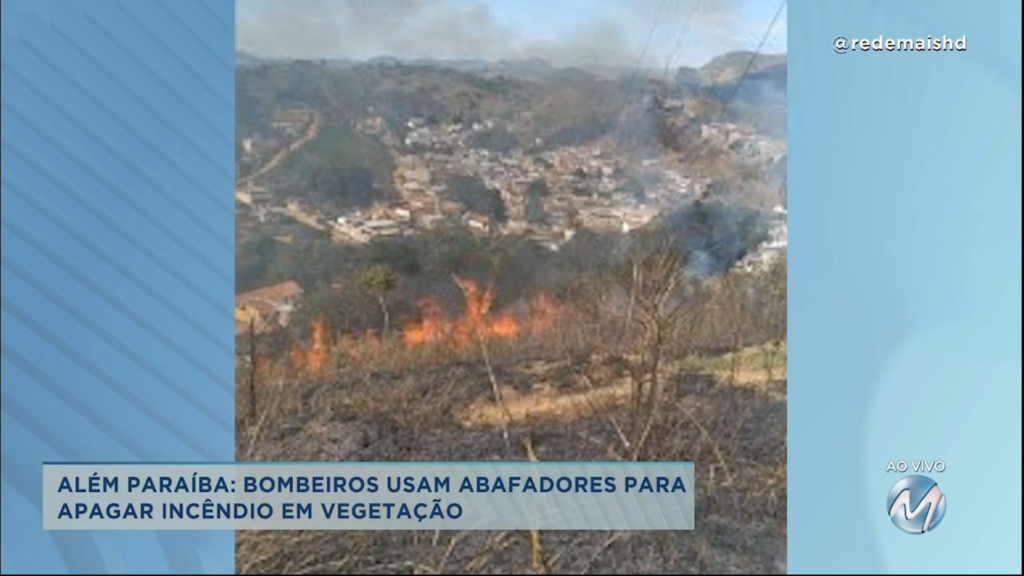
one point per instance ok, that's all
(562, 31)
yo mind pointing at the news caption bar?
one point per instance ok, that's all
(369, 496)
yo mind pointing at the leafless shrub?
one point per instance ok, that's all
(699, 362)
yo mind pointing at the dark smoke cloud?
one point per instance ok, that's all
(469, 29)
(713, 236)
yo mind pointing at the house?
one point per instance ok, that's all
(381, 227)
(768, 252)
(266, 308)
(477, 222)
(778, 237)
(290, 120)
(244, 317)
(516, 227)
(259, 195)
(431, 220)
(373, 124)
(761, 260)
(450, 207)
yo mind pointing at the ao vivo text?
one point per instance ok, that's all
(916, 466)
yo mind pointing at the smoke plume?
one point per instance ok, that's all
(609, 34)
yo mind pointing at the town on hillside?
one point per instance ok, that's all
(444, 173)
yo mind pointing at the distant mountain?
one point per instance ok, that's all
(529, 69)
(731, 66)
(724, 69)
(719, 70)
(753, 84)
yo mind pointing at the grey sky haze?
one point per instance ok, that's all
(565, 32)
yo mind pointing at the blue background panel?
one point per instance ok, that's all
(118, 262)
(905, 272)
(904, 284)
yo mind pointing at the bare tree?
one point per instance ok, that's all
(773, 311)
(655, 276)
(485, 353)
(734, 316)
(252, 368)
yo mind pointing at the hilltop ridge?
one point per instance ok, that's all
(548, 102)
(723, 68)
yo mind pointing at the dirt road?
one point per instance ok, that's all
(310, 134)
(293, 211)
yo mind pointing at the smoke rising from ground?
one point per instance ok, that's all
(608, 34)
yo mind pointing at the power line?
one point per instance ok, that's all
(650, 37)
(754, 56)
(679, 37)
(746, 71)
(643, 54)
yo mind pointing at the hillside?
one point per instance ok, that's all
(550, 103)
(397, 133)
(528, 105)
(446, 414)
(761, 97)
(728, 68)
(340, 169)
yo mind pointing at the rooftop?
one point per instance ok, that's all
(280, 291)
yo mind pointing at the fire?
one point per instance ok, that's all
(430, 329)
(312, 358)
(477, 323)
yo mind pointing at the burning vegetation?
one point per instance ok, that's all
(479, 322)
(664, 358)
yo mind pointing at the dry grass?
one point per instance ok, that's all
(722, 412)
(548, 400)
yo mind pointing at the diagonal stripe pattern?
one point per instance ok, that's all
(117, 262)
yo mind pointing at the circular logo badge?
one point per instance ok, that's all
(916, 504)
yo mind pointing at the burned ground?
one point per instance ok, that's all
(729, 417)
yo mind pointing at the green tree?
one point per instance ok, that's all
(474, 195)
(534, 212)
(379, 280)
(537, 189)
(534, 209)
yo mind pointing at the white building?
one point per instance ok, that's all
(778, 237)
(381, 228)
(771, 249)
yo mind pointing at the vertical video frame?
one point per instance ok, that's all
(469, 232)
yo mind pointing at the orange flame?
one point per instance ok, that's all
(312, 358)
(430, 329)
(477, 322)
